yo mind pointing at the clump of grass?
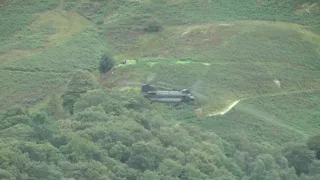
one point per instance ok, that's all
(153, 26)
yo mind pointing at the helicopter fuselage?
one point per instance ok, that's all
(169, 96)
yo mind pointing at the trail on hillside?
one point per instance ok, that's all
(224, 111)
(268, 118)
(228, 108)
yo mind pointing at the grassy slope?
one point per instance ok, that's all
(228, 45)
(244, 56)
(240, 65)
(275, 119)
(33, 60)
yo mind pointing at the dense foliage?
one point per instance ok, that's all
(59, 121)
(152, 26)
(106, 63)
(115, 135)
(80, 83)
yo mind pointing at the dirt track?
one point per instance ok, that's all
(222, 112)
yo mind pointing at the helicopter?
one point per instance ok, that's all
(166, 95)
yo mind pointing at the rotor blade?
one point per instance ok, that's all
(196, 84)
(199, 95)
(180, 87)
(164, 88)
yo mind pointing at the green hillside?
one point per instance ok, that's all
(63, 119)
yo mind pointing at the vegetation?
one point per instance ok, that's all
(65, 116)
(106, 63)
(153, 26)
(80, 83)
(314, 144)
(110, 139)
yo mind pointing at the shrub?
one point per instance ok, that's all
(153, 26)
(106, 63)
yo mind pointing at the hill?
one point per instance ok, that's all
(263, 54)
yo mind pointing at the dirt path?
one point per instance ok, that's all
(227, 109)
(222, 112)
(266, 116)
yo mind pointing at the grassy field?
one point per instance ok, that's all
(237, 48)
(273, 119)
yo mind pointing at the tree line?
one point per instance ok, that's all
(95, 133)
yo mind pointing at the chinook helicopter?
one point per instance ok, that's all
(166, 95)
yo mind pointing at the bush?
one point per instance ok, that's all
(153, 26)
(106, 63)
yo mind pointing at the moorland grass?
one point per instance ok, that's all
(300, 111)
(243, 52)
(16, 15)
(126, 22)
(223, 83)
(26, 88)
(23, 77)
(276, 119)
(239, 42)
(83, 51)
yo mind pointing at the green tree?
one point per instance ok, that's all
(14, 120)
(223, 174)
(141, 162)
(272, 175)
(90, 98)
(299, 156)
(14, 115)
(16, 110)
(120, 152)
(106, 63)
(203, 161)
(288, 173)
(86, 170)
(92, 114)
(80, 149)
(314, 168)
(148, 175)
(55, 108)
(18, 131)
(175, 154)
(41, 170)
(43, 126)
(314, 144)
(44, 152)
(80, 83)
(306, 177)
(5, 174)
(170, 168)
(190, 172)
(259, 170)
(59, 140)
(12, 159)
(153, 26)
(233, 168)
(151, 149)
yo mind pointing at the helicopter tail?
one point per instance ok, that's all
(147, 87)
